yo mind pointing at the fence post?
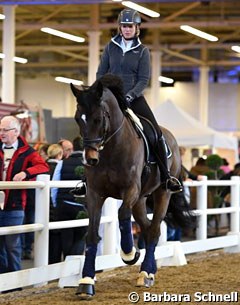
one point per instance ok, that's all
(111, 231)
(163, 236)
(42, 216)
(201, 232)
(235, 198)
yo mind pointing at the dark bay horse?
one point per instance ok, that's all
(115, 162)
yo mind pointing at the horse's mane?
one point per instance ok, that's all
(115, 85)
(93, 93)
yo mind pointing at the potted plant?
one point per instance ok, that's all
(214, 163)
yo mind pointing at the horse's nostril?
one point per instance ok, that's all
(92, 162)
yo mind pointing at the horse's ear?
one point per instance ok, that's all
(75, 91)
(99, 91)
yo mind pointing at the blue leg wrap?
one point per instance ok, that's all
(126, 235)
(149, 264)
(89, 264)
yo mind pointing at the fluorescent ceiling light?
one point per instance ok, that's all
(68, 80)
(62, 34)
(2, 16)
(198, 33)
(164, 79)
(141, 9)
(20, 60)
(236, 48)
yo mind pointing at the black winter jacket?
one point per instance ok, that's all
(68, 172)
(133, 66)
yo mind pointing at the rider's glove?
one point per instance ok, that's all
(128, 100)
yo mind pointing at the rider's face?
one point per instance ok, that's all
(128, 30)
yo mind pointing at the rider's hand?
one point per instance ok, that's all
(128, 100)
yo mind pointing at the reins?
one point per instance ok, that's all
(103, 140)
(115, 132)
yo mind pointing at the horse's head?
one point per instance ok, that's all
(92, 117)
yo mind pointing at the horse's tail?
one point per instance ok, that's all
(179, 213)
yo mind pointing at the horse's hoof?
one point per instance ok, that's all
(145, 280)
(134, 260)
(151, 279)
(85, 291)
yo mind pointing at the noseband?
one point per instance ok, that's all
(104, 139)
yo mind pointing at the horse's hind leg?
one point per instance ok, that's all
(148, 267)
(151, 233)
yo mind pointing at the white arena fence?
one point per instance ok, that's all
(167, 253)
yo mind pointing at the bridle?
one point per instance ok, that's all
(102, 141)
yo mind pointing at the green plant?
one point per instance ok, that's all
(214, 162)
(82, 214)
(79, 171)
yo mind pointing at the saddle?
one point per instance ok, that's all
(148, 133)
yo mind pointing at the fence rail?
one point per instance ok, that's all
(167, 253)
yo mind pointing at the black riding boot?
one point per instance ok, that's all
(172, 183)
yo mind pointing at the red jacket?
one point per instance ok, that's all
(26, 159)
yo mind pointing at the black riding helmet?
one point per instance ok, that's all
(128, 16)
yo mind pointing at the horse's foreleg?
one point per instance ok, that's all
(129, 253)
(86, 284)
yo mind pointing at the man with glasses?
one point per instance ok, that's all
(18, 162)
(67, 147)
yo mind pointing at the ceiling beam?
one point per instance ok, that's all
(181, 46)
(182, 11)
(183, 56)
(42, 20)
(72, 55)
(60, 65)
(149, 25)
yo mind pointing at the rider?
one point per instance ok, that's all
(126, 57)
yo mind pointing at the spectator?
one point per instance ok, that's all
(28, 238)
(68, 206)
(185, 173)
(42, 150)
(29, 217)
(226, 190)
(55, 153)
(200, 167)
(67, 147)
(225, 167)
(196, 172)
(18, 162)
(235, 172)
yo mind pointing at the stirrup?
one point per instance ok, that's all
(174, 185)
(79, 191)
